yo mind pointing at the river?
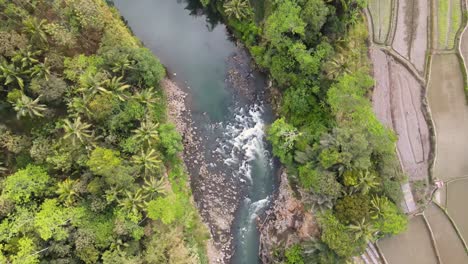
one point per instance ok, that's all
(232, 169)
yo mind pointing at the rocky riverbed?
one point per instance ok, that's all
(207, 187)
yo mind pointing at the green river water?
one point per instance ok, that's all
(199, 54)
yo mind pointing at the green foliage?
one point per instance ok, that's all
(389, 220)
(320, 182)
(352, 209)
(240, 9)
(104, 161)
(26, 106)
(50, 90)
(293, 255)
(26, 184)
(50, 221)
(338, 238)
(147, 70)
(171, 141)
(283, 21)
(327, 135)
(24, 255)
(167, 209)
(282, 135)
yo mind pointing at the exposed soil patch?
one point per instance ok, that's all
(397, 102)
(286, 223)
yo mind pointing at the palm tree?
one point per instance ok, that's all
(366, 181)
(77, 130)
(153, 187)
(115, 87)
(11, 74)
(237, 8)
(378, 206)
(40, 70)
(122, 65)
(133, 202)
(27, 57)
(146, 96)
(148, 160)
(93, 84)
(363, 230)
(35, 28)
(79, 105)
(112, 194)
(147, 133)
(27, 106)
(66, 191)
(337, 66)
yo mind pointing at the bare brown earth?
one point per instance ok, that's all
(286, 223)
(397, 102)
(410, 38)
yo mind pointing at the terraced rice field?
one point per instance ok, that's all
(456, 205)
(381, 12)
(413, 246)
(450, 113)
(449, 18)
(448, 243)
(397, 102)
(411, 32)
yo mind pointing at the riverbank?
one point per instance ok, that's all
(286, 223)
(180, 117)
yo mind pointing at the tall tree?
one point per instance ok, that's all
(27, 106)
(237, 8)
(77, 130)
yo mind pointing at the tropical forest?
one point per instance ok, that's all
(233, 131)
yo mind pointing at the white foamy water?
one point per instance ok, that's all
(244, 142)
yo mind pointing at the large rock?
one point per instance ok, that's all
(287, 223)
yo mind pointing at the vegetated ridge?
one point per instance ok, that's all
(89, 163)
(340, 159)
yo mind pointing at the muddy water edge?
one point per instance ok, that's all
(233, 174)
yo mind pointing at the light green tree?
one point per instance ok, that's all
(366, 182)
(26, 184)
(153, 187)
(116, 87)
(11, 74)
(51, 219)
